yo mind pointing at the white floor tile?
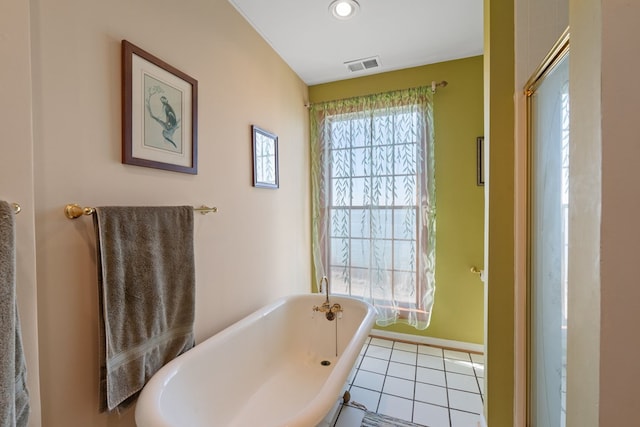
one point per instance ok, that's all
(479, 369)
(370, 380)
(427, 349)
(359, 360)
(379, 352)
(365, 397)
(465, 401)
(462, 382)
(403, 357)
(477, 358)
(429, 361)
(430, 415)
(431, 394)
(382, 342)
(464, 419)
(460, 355)
(415, 382)
(396, 407)
(363, 349)
(350, 417)
(405, 347)
(374, 365)
(352, 375)
(458, 366)
(399, 387)
(402, 370)
(430, 376)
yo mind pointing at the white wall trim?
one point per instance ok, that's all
(438, 342)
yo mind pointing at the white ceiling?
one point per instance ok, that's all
(402, 33)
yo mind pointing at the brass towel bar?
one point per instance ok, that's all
(73, 211)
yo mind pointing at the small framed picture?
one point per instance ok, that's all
(480, 160)
(265, 158)
(159, 113)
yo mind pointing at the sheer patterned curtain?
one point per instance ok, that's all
(373, 197)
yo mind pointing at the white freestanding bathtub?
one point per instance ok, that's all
(276, 367)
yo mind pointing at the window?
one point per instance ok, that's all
(374, 220)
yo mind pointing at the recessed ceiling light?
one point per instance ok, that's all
(344, 9)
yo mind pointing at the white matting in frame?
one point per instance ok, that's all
(159, 114)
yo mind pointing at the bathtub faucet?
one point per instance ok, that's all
(327, 308)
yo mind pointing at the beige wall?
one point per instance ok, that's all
(585, 195)
(16, 174)
(620, 232)
(254, 250)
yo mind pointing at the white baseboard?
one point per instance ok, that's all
(438, 342)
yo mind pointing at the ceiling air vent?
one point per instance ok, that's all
(363, 64)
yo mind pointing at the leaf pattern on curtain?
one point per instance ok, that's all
(373, 194)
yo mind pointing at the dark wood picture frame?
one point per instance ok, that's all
(159, 113)
(265, 158)
(480, 160)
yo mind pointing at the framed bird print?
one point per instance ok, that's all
(159, 113)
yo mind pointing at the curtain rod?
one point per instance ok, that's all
(434, 86)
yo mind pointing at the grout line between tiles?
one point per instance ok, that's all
(446, 387)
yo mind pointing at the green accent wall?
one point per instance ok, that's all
(458, 311)
(499, 81)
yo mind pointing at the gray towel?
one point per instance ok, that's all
(14, 397)
(146, 275)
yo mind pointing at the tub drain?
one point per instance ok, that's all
(325, 363)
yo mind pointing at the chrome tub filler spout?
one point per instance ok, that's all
(330, 310)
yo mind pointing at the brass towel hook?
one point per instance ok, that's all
(479, 272)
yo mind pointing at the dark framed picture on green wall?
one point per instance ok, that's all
(480, 160)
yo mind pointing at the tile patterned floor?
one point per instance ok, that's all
(418, 383)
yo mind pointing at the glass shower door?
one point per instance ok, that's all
(548, 242)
